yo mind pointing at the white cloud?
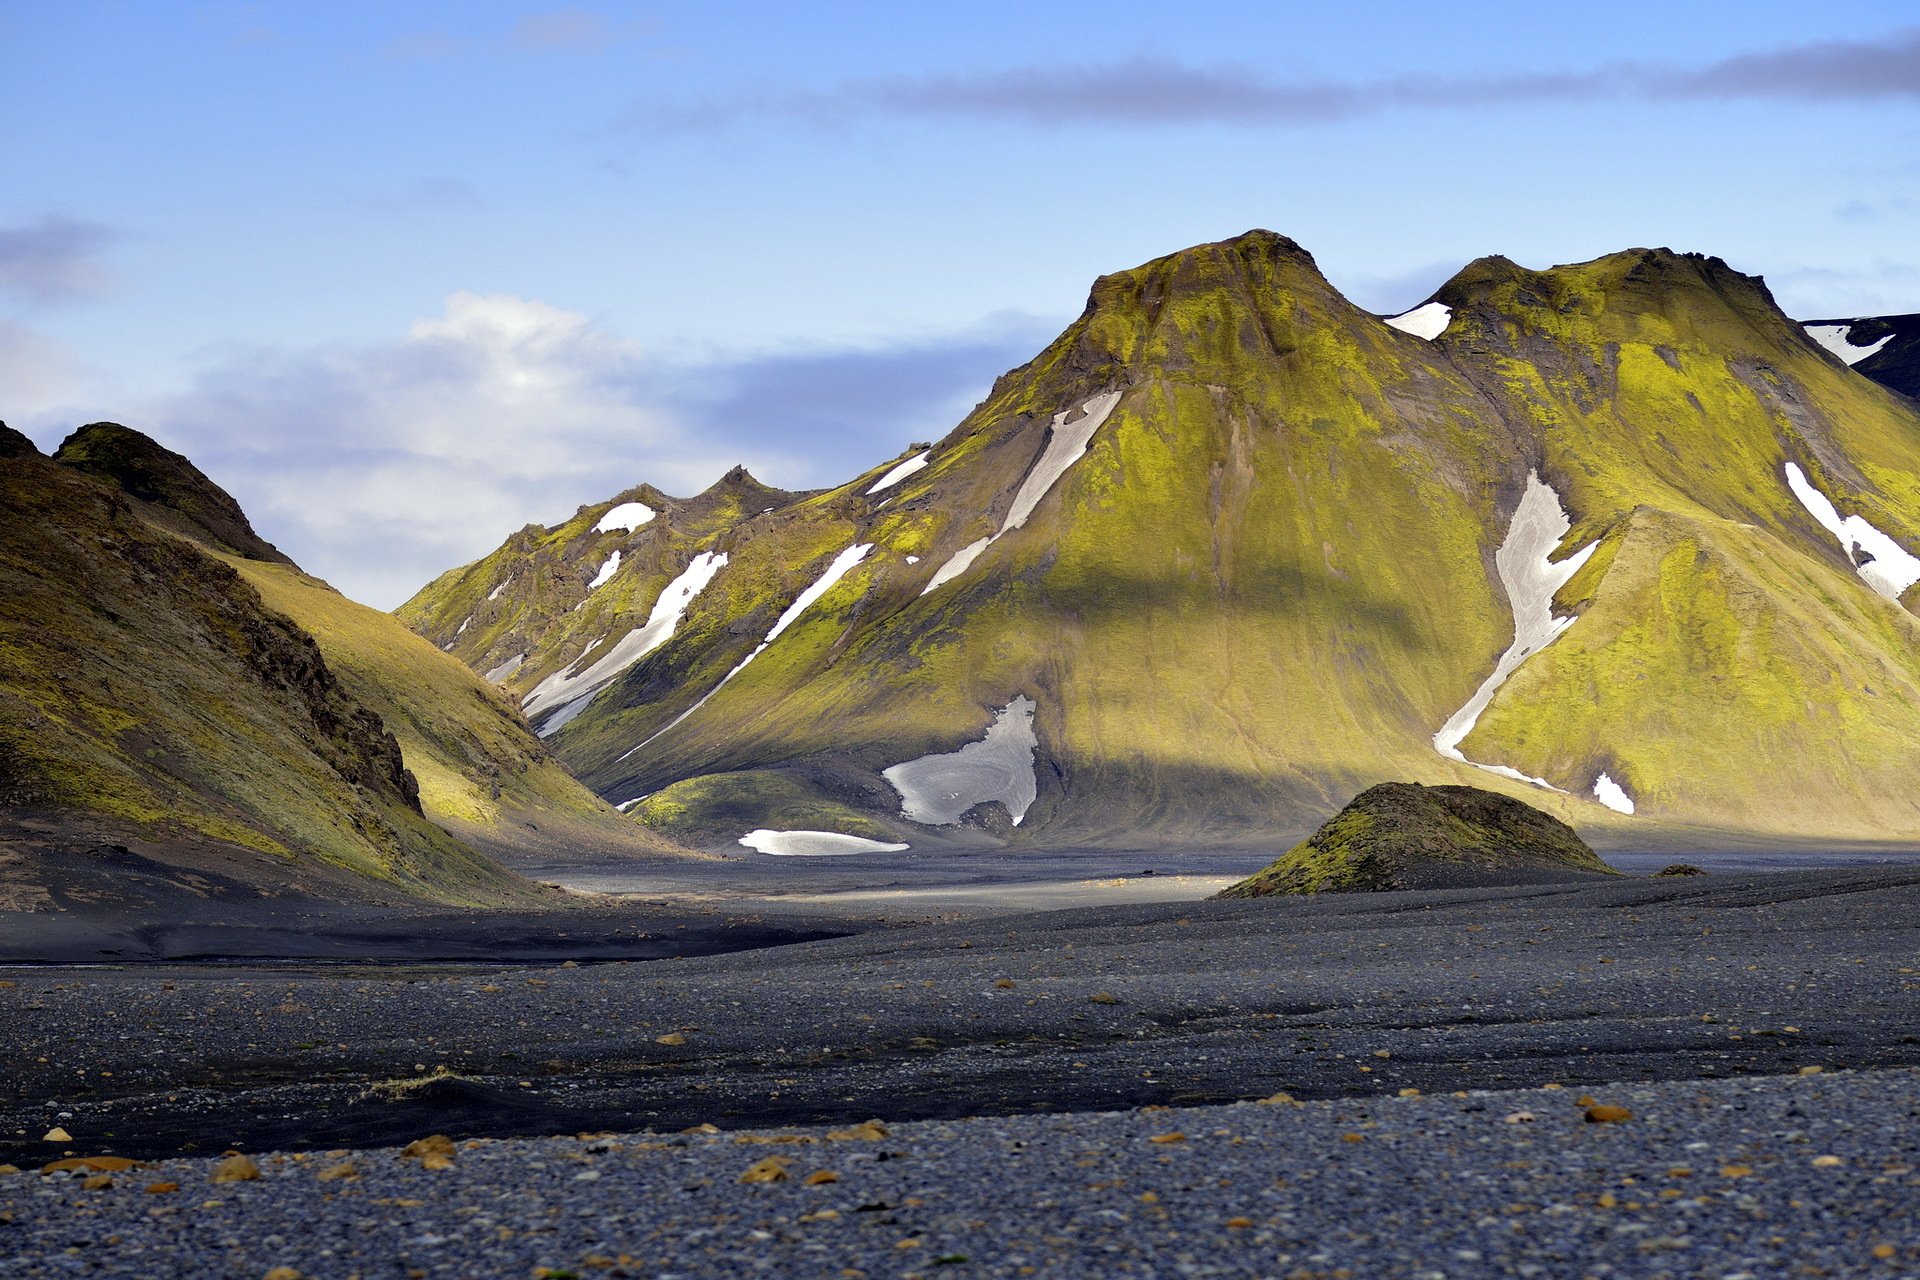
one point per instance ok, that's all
(380, 466)
(55, 259)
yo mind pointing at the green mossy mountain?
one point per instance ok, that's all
(1272, 576)
(1401, 835)
(169, 681)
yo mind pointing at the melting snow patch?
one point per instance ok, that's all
(565, 694)
(607, 570)
(505, 669)
(1884, 564)
(628, 516)
(899, 473)
(1610, 793)
(1428, 320)
(463, 628)
(852, 556)
(495, 593)
(814, 844)
(913, 559)
(1066, 444)
(1836, 339)
(1531, 576)
(938, 790)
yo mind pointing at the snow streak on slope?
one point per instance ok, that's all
(814, 844)
(1834, 337)
(1429, 320)
(1531, 576)
(938, 790)
(607, 570)
(1066, 444)
(505, 669)
(1888, 568)
(564, 694)
(917, 462)
(852, 556)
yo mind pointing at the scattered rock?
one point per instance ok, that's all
(866, 1131)
(236, 1169)
(772, 1169)
(1606, 1114)
(57, 1134)
(671, 1038)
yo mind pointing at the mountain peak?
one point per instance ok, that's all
(15, 445)
(188, 501)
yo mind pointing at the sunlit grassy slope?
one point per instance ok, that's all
(1271, 578)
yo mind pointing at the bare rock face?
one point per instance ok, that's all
(1401, 835)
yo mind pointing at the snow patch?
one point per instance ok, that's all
(1887, 567)
(625, 517)
(852, 556)
(1066, 444)
(917, 462)
(814, 844)
(505, 669)
(939, 789)
(1835, 338)
(495, 593)
(462, 629)
(607, 570)
(1428, 320)
(913, 559)
(1611, 794)
(625, 805)
(565, 694)
(1531, 576)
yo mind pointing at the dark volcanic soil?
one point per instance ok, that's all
(1347, 995)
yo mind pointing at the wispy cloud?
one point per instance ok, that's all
(427, 195)
(379, 466)
(55, 259)
(1151, 91)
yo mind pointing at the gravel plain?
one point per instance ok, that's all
(1055, 1030)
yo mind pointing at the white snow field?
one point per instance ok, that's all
(814, 844)
(917, 462)
(852, 556)
(627, 517)
(607, 570)
(1428, 320)
(1612, 794)
(505, 669)
(1890, 568)
(1834, 337)
(1066, 444)
(1531, 576)
(938, 790)
(495, 593)
(565, 694)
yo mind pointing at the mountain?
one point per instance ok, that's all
(1618, 537)
(169, 680)
(1884, 348)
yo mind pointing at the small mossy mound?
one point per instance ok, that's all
(1679, 869)
(1401, 835)
(719, 808)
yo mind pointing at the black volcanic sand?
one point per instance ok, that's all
(1342, 996)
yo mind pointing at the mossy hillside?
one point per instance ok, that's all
(1398, 835)
(543, 606)
(481, 773)
(145, 683)
(1727, 681)
(1183, 552)
(178, 495)
(720, 808)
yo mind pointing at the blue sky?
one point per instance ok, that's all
(407, 276)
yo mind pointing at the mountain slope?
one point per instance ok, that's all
(147, 693)
(1231, 549)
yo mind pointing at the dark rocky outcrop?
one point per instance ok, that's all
(1401, 835)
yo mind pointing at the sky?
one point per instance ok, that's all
(404, 277)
